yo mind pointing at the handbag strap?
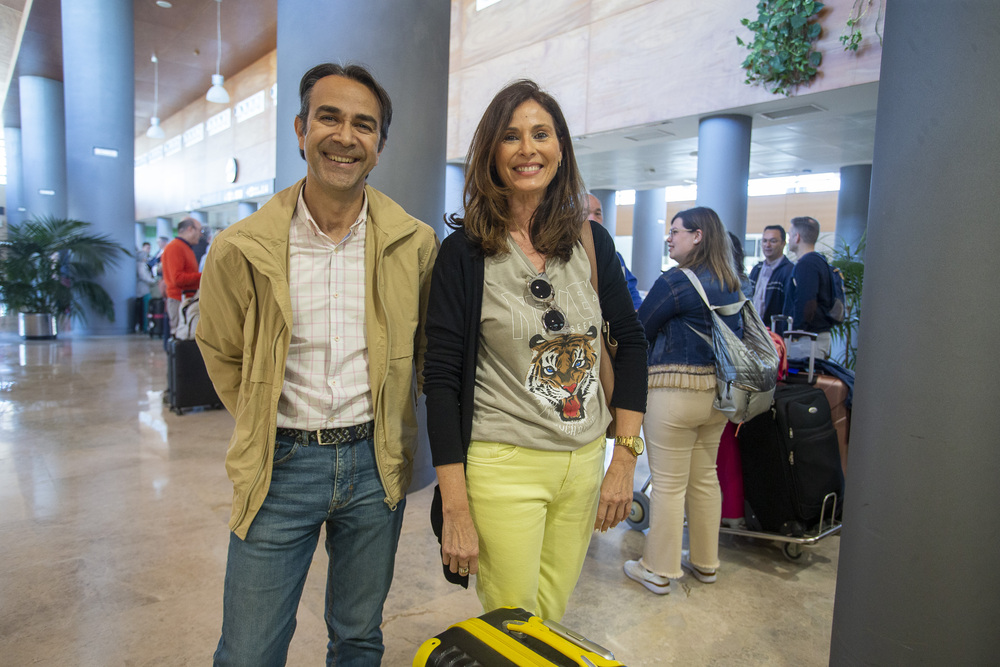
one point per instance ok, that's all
(726, 310)
(587, 239)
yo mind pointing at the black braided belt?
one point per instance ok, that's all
(332, 436)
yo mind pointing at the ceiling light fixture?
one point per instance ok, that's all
(155, 131)
(217, 93)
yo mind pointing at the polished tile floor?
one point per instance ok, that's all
(113, 542)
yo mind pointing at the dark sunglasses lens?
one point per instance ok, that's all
(540, 289)
(553, 320)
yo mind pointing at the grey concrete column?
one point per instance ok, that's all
(200, 216)
(919, 571)
(724, 168)
(245, 209)
(852, 203)
(405, 46)
(43, 139)
(99, 76)
(164, 227)
(454, 194)
(14, 204)
(140, 235)
(608, 208)
(648, 236)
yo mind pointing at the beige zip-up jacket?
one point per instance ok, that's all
(246, 325)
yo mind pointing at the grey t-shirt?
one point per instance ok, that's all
(534, 388)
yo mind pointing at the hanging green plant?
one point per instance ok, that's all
(781, 53)
(851, 39)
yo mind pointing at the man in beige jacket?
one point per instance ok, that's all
(311, 326)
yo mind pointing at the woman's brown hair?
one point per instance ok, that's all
(555, 225)
(715, 250)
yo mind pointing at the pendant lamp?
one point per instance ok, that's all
(217, 93)
(155, 131)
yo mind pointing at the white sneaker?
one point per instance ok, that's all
(653, 582)
(703, 577)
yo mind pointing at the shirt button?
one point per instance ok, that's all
(336, 296)
(337, 338)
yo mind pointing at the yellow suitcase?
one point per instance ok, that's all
(510, 636)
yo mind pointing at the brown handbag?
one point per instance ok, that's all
(609, 346)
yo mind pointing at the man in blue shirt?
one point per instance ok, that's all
(595, 213)
(769, 279)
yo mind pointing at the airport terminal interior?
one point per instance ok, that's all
(113, 535)
(114, 509)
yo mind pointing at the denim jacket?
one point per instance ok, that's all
(678, 357)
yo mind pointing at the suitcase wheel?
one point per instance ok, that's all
(792, 550)
(638, 517)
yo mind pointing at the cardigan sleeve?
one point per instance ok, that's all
(447, 350)
(617, 309)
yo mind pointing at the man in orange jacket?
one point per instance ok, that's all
(180, 268)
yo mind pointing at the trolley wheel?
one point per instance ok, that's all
(638, 517)
(792, 551)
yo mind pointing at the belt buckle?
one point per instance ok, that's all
(319, 438)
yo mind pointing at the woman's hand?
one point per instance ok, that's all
(619, 481)
(616, 490)
(460, 544)
(459, 539)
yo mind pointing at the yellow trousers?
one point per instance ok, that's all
(534, 511)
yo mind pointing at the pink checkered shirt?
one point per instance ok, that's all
(326, 375)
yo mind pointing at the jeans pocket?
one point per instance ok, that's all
(284, 449)
(485, 453)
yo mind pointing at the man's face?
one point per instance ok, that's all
(594, 211)
(771, 244)
(793, 241)
(193, 233)
(340, 136)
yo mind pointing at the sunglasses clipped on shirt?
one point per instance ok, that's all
(542, 291)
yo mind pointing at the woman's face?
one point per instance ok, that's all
(681, 241)
(529, 153)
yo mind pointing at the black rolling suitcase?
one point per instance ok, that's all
(188, 384)
(156, 318)
(791, 462)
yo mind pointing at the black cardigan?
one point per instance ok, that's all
(454, 312)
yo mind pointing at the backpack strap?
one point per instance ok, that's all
(726, 310)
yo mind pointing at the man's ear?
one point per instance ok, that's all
(300, 132)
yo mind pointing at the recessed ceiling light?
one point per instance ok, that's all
(164, 4)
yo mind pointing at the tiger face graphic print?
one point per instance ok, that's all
(563, 373)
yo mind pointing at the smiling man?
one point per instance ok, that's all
(312, 314)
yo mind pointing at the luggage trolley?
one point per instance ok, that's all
(791, 545)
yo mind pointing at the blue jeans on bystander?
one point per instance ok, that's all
(312, 485)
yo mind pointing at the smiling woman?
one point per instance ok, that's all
(513, 358)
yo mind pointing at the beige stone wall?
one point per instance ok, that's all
(619, 63)
(178, 182)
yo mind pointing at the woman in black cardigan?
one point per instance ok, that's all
(516, 413)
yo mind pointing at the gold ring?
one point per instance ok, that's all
(464, 571)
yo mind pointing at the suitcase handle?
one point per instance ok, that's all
(565, 641)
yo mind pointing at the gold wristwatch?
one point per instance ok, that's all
(633, 443)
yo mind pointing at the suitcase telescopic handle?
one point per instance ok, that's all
(570, 641)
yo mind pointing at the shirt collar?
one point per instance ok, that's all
(301, 210)
(775, 263)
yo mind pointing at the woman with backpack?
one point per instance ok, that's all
(682, 428)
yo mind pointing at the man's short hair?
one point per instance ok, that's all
(185, 224)
(808, 229)
(777, 228)
(355, 73)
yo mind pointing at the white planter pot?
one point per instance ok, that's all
(36, 326)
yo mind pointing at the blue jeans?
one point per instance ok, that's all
(312, 485)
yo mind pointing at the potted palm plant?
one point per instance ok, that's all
(48, 270)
